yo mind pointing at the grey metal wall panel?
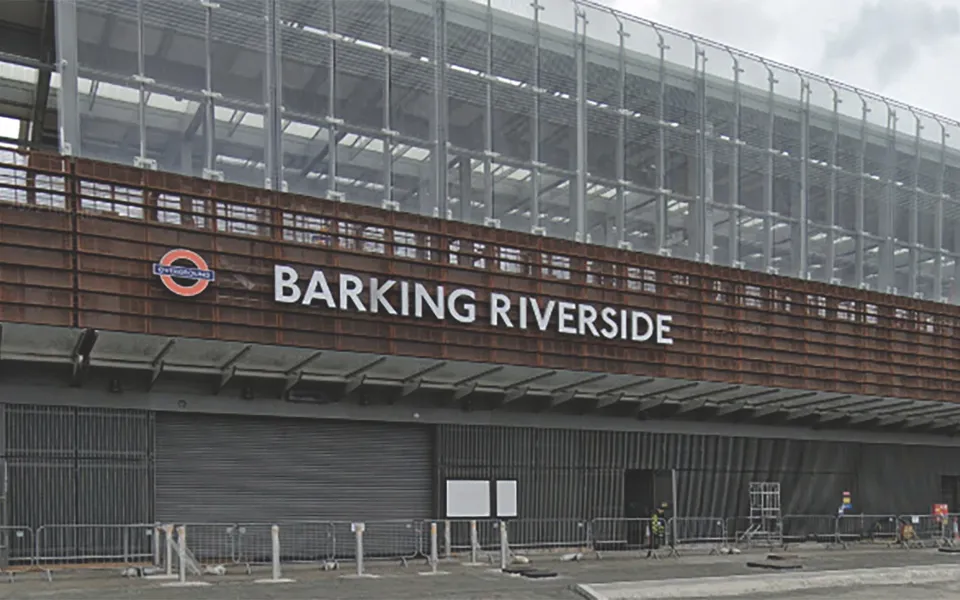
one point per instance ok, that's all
(579, 474)
(78, 465)
(218, 468)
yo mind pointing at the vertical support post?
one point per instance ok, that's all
(733, 242)
(434, 554)
(447, 541)
(831, 258)
(68, 100)
(580, 196)
(209, 113)
(275, 551)
(803, 270)
(621, 167)
(536, 165)
(157, 547)
(474, 542)
(333, 131)
(504, 546)
(701, 242)
(168, 538)
(141, 79)
(440, 109)
(887, 275)
(938, 231)
(387, 131)
(676, 511)
(182, 552)
(914, 233)
(768, 175)
(358, 531)
(489, 212)
(861, 195)
(661, 212)
(273, 159)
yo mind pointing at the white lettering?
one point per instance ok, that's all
(647, 324)
(542, 318)
(566, 317)
(586, 317)
(350, 289)
(609, 316)
(499, 309)
(377, 293)
(421, 296)
(285, 288)
(663, 328)
(422, 300)
(318, 289)
(405, 298)
(467, 311)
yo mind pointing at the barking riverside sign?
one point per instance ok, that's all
(417, 301)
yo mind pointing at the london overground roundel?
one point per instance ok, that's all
(183, 265)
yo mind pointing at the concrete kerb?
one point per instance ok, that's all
(741, 585)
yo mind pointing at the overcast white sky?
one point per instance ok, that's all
(905, 49)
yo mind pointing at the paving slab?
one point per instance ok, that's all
(772, 585)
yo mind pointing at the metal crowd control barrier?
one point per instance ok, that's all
(698, 534)
(926, 531)
(619, 535)
(94, 546)
(487, 541)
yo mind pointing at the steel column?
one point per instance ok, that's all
(68, 100)
(861, 195)
(939, 224)
(768, 179)
(831, 258)
(733, 241)
(536, 165)
(440, 109)
(620, 217)
(579, 220)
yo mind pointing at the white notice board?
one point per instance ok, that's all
(468, 499)
(507, 498)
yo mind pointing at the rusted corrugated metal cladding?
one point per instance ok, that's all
(78, 240)
(580, 474)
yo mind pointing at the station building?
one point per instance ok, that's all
(300, 260)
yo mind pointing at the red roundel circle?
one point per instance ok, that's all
(198, 272)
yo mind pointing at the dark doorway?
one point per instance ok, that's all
(950, 491)
(637, 503)
(643, 491)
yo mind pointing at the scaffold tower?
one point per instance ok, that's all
(766, 522)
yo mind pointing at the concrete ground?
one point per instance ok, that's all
(945, 591)
(465, 583)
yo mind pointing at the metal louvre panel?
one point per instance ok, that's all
(221, 469)
(78, 466)
(579, 474)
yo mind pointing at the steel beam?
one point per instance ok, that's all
(646, 405)
(690, 406)
(294, 375)
(80, 356)
(158, 363)
(355, 379)
(229, 369)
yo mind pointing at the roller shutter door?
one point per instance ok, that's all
(234, 469)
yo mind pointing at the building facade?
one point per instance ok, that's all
(180, 349)
(303, 261)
